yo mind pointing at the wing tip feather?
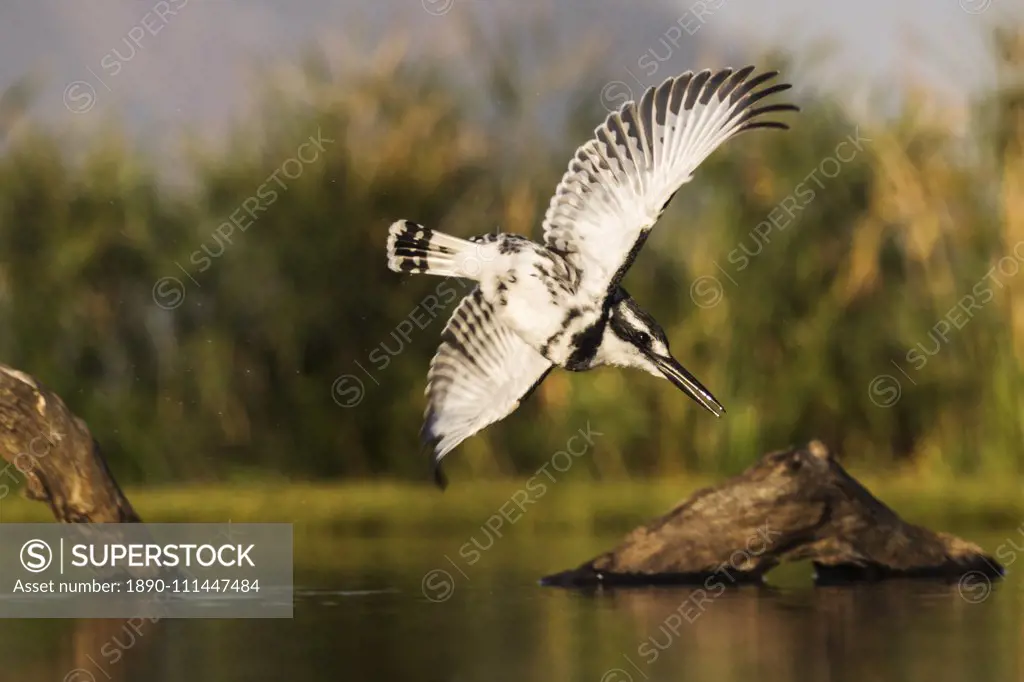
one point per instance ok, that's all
(430, 439)
(440, 480)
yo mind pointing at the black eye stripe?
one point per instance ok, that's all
(624, 329)
(637, 326)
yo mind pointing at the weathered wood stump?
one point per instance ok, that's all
(53, 452)
(792, 505)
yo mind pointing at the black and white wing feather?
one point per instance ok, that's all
(480, 374)
(619, 182)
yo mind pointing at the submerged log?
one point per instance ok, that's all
(54, 454)
(792, 505)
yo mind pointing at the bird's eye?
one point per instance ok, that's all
(644, 338)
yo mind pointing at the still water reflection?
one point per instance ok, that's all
(405, 608)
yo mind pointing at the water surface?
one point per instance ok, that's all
(417, 608)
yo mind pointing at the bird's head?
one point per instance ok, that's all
(632, 338)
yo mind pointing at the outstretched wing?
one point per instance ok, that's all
(480, 374)
(619, 182)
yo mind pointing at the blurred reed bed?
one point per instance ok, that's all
(867, 278)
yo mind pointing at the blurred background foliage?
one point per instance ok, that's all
(236, 381)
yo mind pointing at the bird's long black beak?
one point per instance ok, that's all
(687, 383)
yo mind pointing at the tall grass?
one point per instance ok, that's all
(841, 316)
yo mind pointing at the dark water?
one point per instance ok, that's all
(414, 608)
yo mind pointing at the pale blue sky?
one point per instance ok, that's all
(193, 70)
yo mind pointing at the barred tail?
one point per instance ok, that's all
(414, 248)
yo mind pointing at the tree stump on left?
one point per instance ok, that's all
(56, 456)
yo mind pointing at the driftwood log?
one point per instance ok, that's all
(792, 505)
(52, 453)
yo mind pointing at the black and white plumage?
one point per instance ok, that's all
(559, 303)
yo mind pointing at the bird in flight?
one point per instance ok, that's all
(560, 303)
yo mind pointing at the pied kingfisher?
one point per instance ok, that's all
(537, 306)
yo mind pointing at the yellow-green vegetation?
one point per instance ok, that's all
(832, 263)
(582, 506)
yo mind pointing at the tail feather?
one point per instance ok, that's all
(414, 248)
